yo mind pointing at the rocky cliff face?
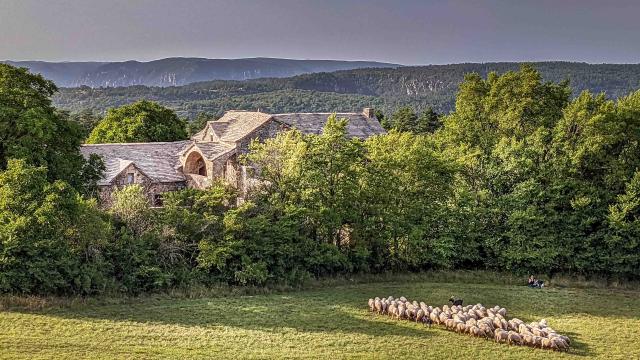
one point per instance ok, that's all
(182, 71)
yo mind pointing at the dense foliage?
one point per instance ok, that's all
(406, 120)
(142, 121)
(32, 129)
(419, 87)
(547, 178)
(520, 177)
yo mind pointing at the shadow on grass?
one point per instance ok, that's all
(343, 309)
(262, 313)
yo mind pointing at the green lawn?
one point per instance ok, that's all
(322, 323)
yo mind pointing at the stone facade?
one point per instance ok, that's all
(211, 155)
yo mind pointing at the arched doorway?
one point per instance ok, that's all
(194, 164)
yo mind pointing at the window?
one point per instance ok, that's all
(130, 178)
(157, 200)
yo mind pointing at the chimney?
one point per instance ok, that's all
(369, 112)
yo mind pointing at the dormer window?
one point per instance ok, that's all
(130, 178)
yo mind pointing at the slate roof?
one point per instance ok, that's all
(359, 125)
(236, 124)
(159, 161)
(210, 150)
(233, 125)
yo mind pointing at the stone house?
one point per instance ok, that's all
(211, 154)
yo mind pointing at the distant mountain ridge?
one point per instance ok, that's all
(345, 91)
(179, 71)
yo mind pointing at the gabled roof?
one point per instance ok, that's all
(232, 126)
(159, 161)
(235, 124)
(209, 150)
(359, 126)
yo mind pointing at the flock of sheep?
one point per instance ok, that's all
(475, 320)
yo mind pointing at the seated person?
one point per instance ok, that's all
(535, 283)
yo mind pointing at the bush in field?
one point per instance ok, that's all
(51, 240)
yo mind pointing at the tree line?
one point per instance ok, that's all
(520, 177)
(419, 87)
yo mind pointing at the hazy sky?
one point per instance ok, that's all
(401, 31)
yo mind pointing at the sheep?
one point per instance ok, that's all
(475, 331)
(378, 305)
(514, 338)
(501, 335)
(560, 344)
(472, 322)
(475, 320)
(450, 324)
(402, 311)
(392, 310)
(427, 321)
(497, 323)
(461, 317)
(537, 341)
(524, 329)
(528, 339)
(546, 343)
(434, 317)
(539, 332)
(486, 329)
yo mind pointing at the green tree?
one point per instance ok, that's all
(33, 130)
(142, 121)
(51, 240)
(405, 187)
(428, 122)
(87, 119)
(404, 120)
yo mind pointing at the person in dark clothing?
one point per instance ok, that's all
(535, 283)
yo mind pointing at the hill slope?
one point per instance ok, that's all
(181, 71)
(350, 90)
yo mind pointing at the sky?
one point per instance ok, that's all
(409, 32)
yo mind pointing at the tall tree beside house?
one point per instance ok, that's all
(142, 121)
(33, 130)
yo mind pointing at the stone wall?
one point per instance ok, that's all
(153, 191)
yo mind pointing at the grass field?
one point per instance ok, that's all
(331, 322)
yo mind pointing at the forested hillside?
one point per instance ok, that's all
(350, 90)
(181, 71)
